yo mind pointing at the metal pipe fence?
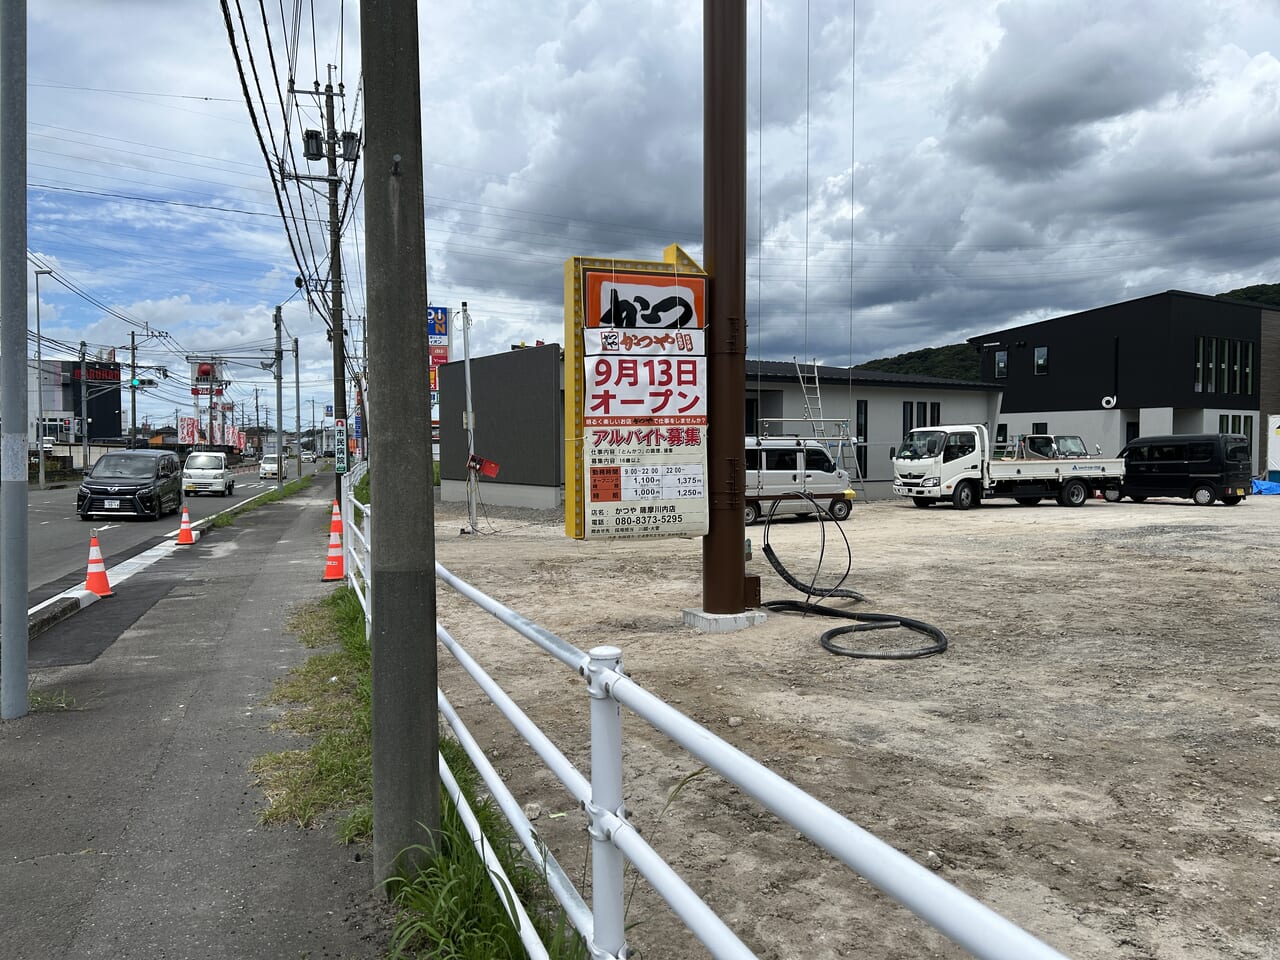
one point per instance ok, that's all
(614, 839)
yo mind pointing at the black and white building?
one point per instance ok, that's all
(1172, 362)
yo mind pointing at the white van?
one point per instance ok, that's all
(207, 472)
(788, 471)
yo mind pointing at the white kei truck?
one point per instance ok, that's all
(958, 463)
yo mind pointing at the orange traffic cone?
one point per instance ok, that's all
(185, 533)
(333, 567)
(95, 580)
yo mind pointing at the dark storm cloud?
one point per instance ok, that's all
(1061, 68)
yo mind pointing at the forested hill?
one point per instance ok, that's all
(959, 361)
(1266, 293)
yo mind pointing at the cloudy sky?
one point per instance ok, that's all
(918, 171)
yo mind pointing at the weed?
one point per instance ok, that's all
(50, 700)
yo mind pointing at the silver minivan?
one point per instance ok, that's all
(792, 475)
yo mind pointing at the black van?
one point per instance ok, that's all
(131, 483)
(1204, 467)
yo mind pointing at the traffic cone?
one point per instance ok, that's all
(185, 533)
(333, 567)
(95, 580)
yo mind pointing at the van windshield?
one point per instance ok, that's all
(124, 466)
(918, 446)
(204, 461)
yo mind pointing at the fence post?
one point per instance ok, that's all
(606, 797)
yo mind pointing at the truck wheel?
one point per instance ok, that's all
(1074, 494)
(1203, 495)
(923, 501)
(839, 509)
(751, 513)
(1027, 501)
(1231, 500)
(1111, 496)
(964, 496)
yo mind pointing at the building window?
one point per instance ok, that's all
(860, 425)
(922, 414)
(1199, 388)
(1223, 385)
(907, 423)
(1042, 427)
(1248, 369)
(1235, 423)
(1247, 429)
(1236, 349)
(1224, 424)
(1002, 364)
(1002, 433)
(1211, 366)
(935, 414)
(1042, 360)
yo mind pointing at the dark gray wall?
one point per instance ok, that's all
(519, 413)
(1141, 351)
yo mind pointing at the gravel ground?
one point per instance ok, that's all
(1094, 756)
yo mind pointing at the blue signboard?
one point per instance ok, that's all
(328, 409)
(355, 427)
(438, 322)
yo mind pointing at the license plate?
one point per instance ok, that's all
(110, 504)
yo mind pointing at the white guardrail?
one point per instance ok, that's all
(614, 840)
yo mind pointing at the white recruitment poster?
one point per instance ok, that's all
(644, 405)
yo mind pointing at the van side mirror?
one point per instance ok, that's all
(892, 452)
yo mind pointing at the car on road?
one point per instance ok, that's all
(273, 468)
(308, 456)
(131, 483)
(207, 472)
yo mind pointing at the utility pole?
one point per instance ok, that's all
(84, 410)
(297, 405)
(279, 365)
(335, 277)
(406, 783)
(133, 391)
(724, 46)
(40, 381)
(257, 425)
(473, 478)
(14, 492)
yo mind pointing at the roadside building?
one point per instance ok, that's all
(1172, 362)
(518, 404)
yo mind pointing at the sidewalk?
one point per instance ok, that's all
(130, 819)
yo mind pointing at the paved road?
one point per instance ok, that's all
(58, 541)
(129, 822)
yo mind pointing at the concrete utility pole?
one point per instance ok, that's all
(13, 359)
(406, 782)
(297, 406)
(40, 380)
(279, 365)
(724, 182)
(84, 409)
(335, 276)
(133, 394)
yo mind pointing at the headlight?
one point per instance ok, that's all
(931, 482)
(83, 491)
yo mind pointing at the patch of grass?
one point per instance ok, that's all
(450, 909)
(228, 517)
(50, 701)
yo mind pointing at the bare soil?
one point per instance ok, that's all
(1095, 756)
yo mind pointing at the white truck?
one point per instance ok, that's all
(958, 463)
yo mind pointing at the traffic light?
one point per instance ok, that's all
(135, 382)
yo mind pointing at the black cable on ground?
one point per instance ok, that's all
(865, 621)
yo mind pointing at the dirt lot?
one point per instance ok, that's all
(1095, 756)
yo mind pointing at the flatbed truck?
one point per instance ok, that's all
(959, 464)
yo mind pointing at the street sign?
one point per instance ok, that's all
(328, 409)
(437, 325)
(356, 427)
(340, 446)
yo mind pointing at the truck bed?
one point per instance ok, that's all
(1036, 469)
